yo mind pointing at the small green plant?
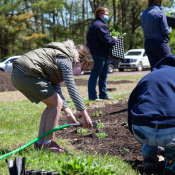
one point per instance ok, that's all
(101, 135)
(100, 125)
(125, 150)
(100, 112)
(82, 131)
(126, 123)
(116, 33)
(85, 166)
(97, 113)
(168, 13)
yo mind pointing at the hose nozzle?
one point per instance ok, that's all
(95, 125)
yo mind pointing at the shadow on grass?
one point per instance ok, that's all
(138, 165)
(4, 151)
(20, 152)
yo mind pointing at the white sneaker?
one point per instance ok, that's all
(109, 98)
(98, 99)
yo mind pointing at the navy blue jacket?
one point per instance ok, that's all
(153, 99)
(99, 39)
(154, 24)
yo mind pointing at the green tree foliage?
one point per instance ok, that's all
(168, 3)
(129, 12)
(172, 42)
(29, 24)
(16, 29)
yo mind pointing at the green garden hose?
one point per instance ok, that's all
(33, 141)
(47, 133)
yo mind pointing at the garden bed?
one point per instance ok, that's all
(119, 142)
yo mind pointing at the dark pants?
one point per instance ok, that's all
(100, 70)
(156, 50)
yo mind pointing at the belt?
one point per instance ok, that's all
(161, 126)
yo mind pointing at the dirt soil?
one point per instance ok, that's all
(119, 141)
(81, 82)
(6, 84)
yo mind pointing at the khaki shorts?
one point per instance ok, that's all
(35, 89)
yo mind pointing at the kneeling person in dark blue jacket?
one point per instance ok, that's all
(151, 114)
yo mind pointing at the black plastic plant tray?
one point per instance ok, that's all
(171, 21)
(38, 172)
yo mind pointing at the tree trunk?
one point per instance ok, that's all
(83, 15)
(70, 19)
(96, 3)
(54, 33)
(114, 11)
(42, 23)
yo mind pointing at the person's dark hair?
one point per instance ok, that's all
(84, 53)
(100, 10)
(157, 2)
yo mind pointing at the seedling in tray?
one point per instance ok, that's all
(168, 13)
(116, 33)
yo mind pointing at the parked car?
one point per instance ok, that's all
(134, 59)
(6, 63)
(112, 64)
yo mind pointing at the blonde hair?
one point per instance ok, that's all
(157, 2)
(100, 10)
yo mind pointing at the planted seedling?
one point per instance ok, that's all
(100, 125)
(97, 113)
(116, 33)
(101, 135)
(124, 123)
(82, 131)
(125, 150)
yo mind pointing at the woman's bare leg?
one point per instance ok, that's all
(50, 116)
(43, 123)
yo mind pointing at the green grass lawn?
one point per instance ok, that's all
(19, 125)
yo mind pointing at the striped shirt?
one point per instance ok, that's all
(65, 65)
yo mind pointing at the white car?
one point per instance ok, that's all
(134, 59)
(6, 63)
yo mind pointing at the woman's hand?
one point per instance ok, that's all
(86, 119)
(70, 116)
(114, 37)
